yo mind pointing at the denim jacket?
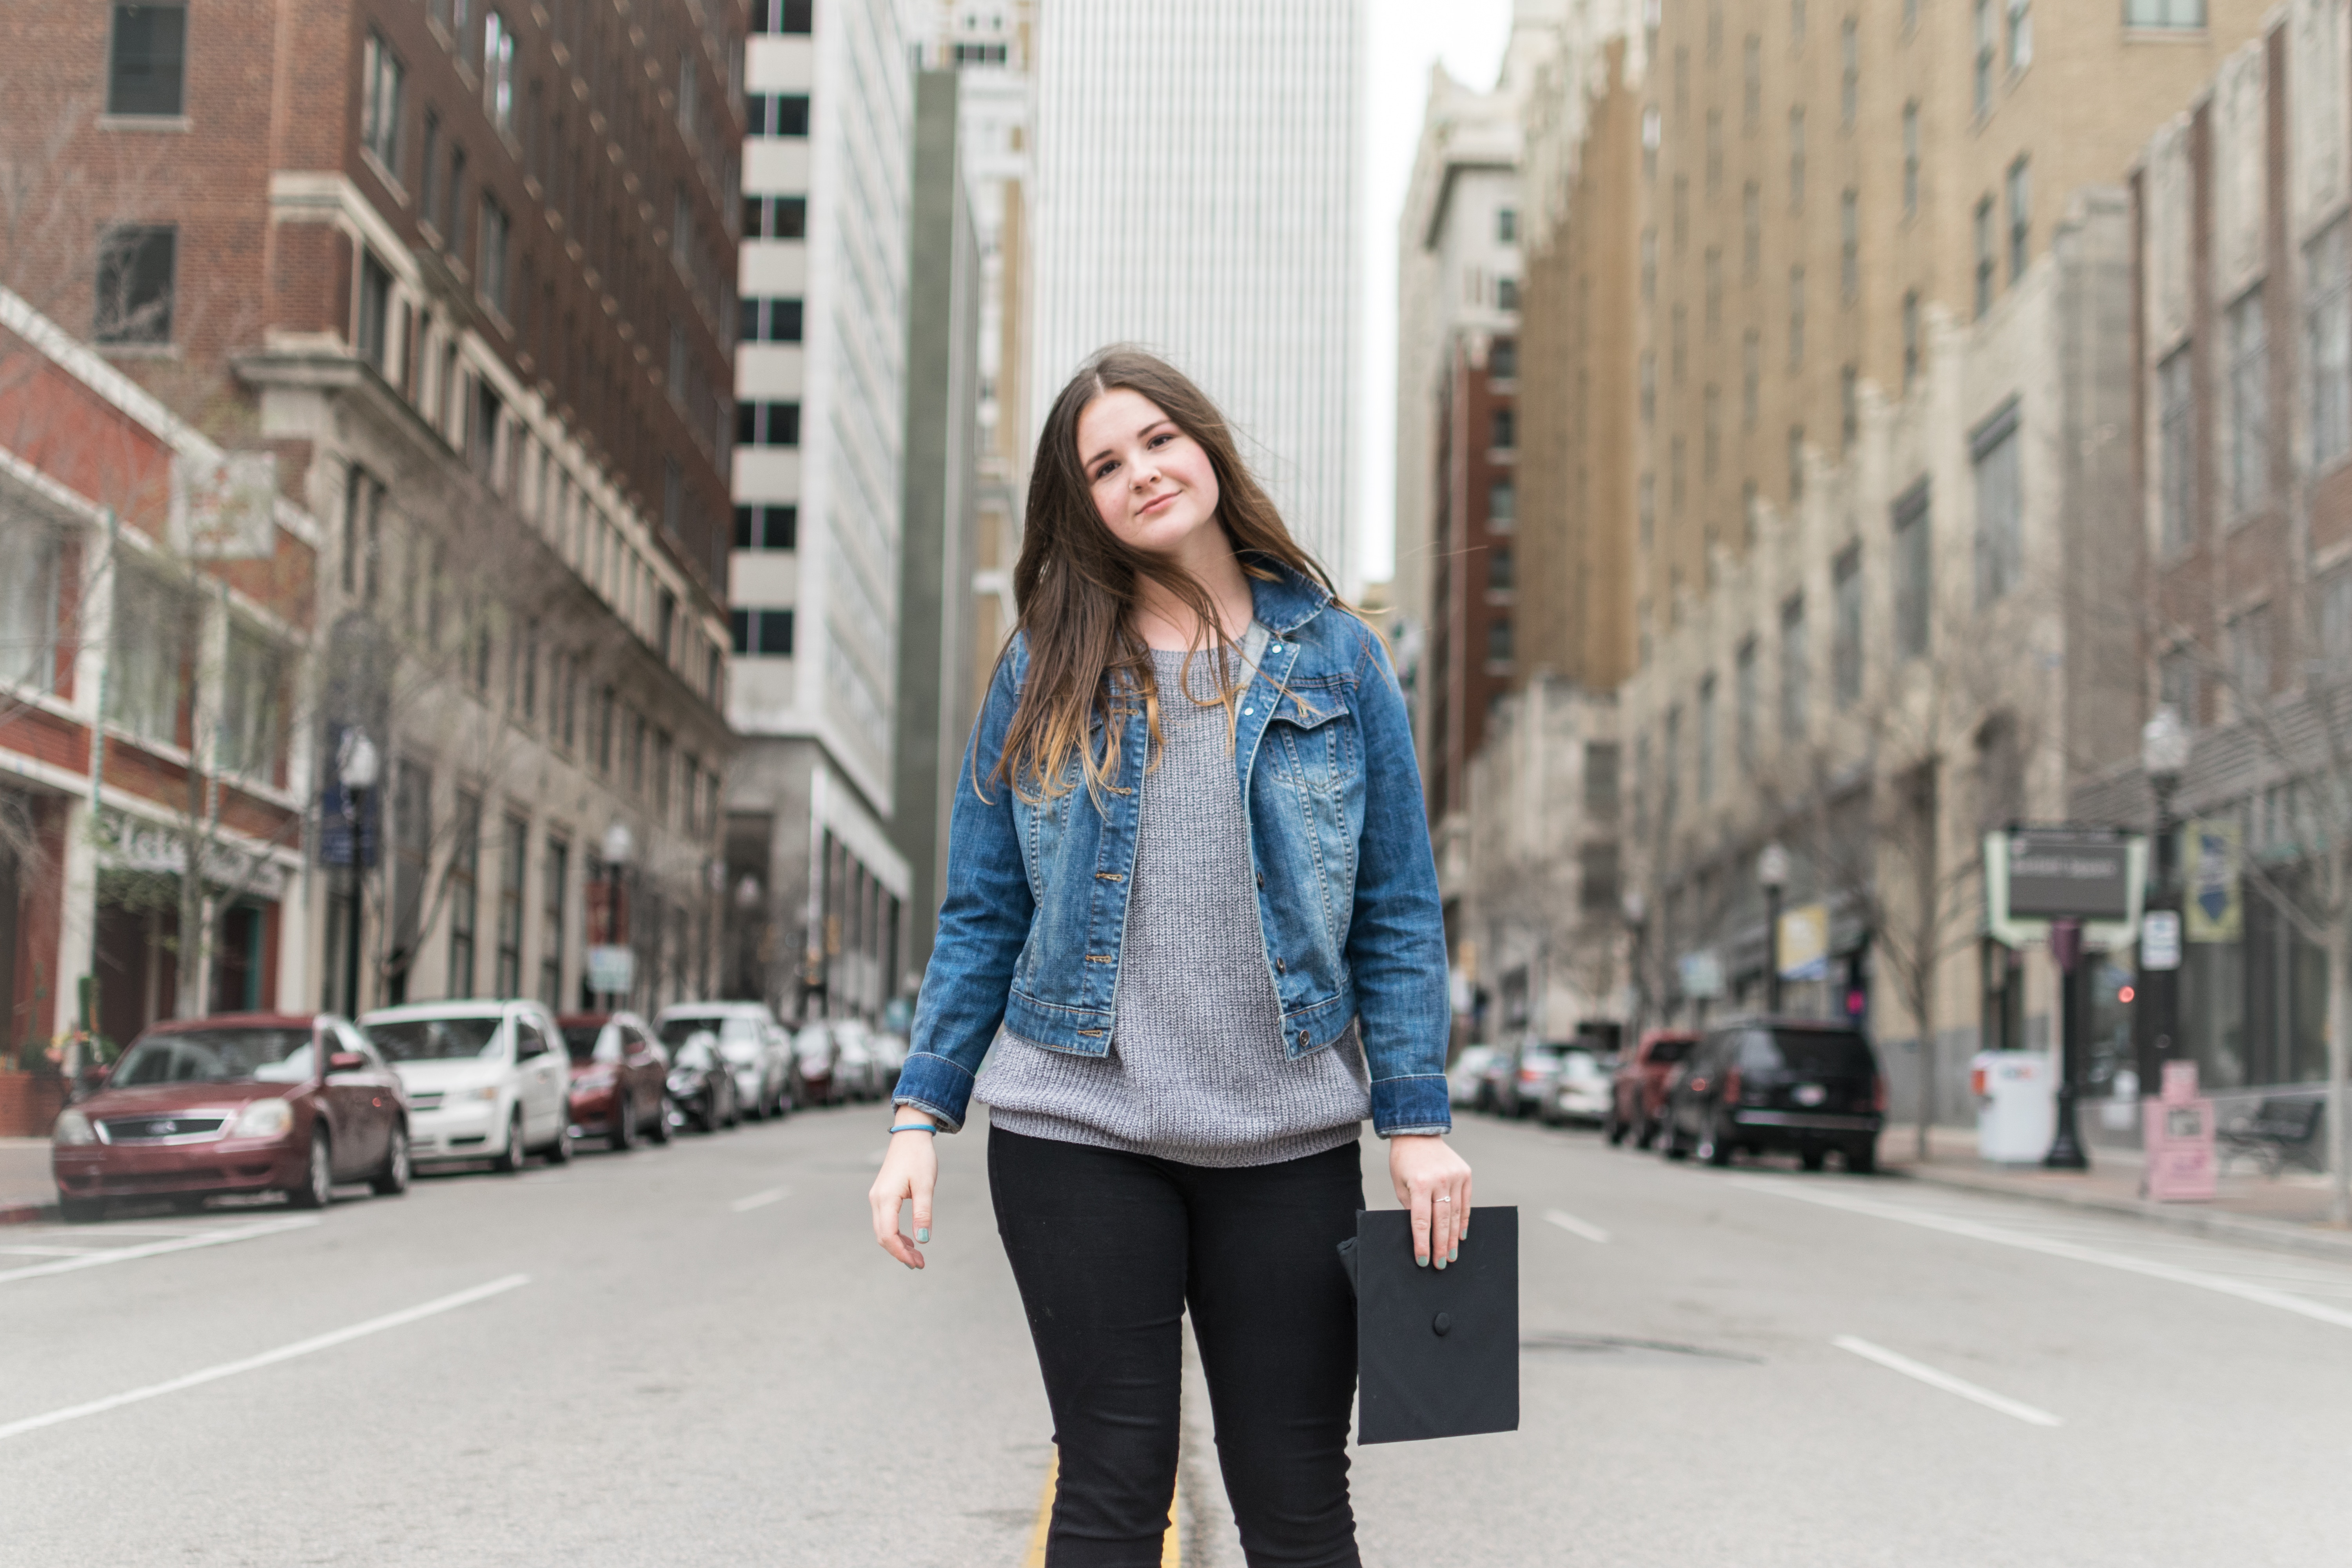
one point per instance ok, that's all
(1035, 904)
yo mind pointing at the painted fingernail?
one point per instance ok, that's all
(1421, 1258)
(1454, 1256)
(1441, 1263)
(923, 1235)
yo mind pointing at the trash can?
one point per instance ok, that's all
(2017, 1105)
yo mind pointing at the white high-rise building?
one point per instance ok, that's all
(816, 887)
(1197, 191)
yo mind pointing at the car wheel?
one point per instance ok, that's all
(734, 1114)
(1670, 1138)
(317, 1189)
(1612, 1128)
(80, 1211)
(1861, 1159)
(624, 1123)
(392, 1179)
(1647, 1133)
(1812, 1157)
(560, 1152)
(509, 1157)
(1715, 1147)
(661, 1120)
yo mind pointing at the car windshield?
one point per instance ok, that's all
(1542, 1056)
(216, 1056)
(1807, 1053)
(579, 1041)
(437, 1039)
(1669, 1052)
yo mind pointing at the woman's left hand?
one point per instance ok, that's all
(1433, 1181)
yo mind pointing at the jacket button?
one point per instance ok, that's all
(1261, 878)
(1304, 1039)
(1280, 967)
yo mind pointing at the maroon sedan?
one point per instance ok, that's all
(620, 1078)
(245, 1102)
(1637, 1095)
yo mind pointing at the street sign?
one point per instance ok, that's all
(2065, 875)
(611, 970)
(1701, 974)
(2159, 939)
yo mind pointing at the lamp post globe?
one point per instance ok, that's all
(619, 844)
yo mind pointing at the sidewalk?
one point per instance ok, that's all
(26, 1192)
(2290, 1213)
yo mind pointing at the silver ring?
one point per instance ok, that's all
(1446, 1200)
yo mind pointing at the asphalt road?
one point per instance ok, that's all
(706, 1361)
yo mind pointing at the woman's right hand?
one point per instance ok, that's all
(910, 1169)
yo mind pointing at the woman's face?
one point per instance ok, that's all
(1153, 485)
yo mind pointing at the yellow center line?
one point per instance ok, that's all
(1171, 1554)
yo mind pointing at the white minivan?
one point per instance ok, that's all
(486, 1080)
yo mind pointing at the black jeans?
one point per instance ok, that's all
(1108, 1248)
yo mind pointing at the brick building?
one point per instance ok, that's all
(455, 278)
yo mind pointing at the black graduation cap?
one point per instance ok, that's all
(1437, 1350)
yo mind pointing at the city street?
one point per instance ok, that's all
(696, 1355)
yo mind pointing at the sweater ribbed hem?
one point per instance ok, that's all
(1272, 1151)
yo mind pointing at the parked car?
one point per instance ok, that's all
(815, 1053)
(889, 1057)
(1638, 1089)
(1578, 1091)
(620, 1078)
(1467, 1077)
(857, 1071)
(245, 1102)
(1490, 1078)
(487, 1080)
(1533, 1064)
(1772, 1084)
(755, 1046)
(702, 1084)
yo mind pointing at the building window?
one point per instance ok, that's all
(2021, 34)
(775, 217)
(1681, 214)
(1598, 890)
(1850, 245)
(371, 337)
(463, 876)
(1601, 768)
(1711, 425)
(1751, 232)
(1850, 79)
(769, 320)
(512, 867)
(2249, 369)
(1502, 505)
(1914, 573)
(496, 237)
(137, 268)
(1714, 152)
(1498, 640)
(1846, 632)
(28, 606)
(2328, 328)
(767, 424)
(777, 113)
(782, 16)
(555, 876)
(2335, 626)
(1706, 739)
(1995, 458)
(2164, 13)
(497, 85)
(1985, 31)
(2177, 683)
(382, 80)
(1751, 376)
(1745, 699)
(1911, 159)
(1650, 263)
(1911, 355)
(1796, 319)
(2249, 646)
(1796, 670)
(763, 634)
(2175, 453)
(1752, 81)
(1985, 261)
(153, 642)
(2021, 219)
(1506, 429)
(454, 202)
(1795, 160)
(1501, 570)
(1849, 406)
(147, 60)
(428, 174)
(1796, 464)
(1677, 345)
(767, 527)
(1506, 293)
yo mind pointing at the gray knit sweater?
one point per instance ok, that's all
(1196, 1071)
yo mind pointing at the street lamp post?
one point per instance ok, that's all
(2074, 1018)
(1772, 873)
(1637, 915)
(357, 765)
(2164, 746)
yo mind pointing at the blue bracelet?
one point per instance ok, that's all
(915, 1127)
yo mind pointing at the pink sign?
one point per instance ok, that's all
(2180, 1082)
(2177, 1136)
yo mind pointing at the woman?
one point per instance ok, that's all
(1191, 903)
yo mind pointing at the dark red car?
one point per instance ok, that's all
(245, 1102)
(620, 1078)
(1637, 1095)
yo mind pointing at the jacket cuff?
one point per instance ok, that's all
(1411, 1105)
(931, 1083)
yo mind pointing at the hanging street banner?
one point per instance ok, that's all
(1803, 942)
(2214, 905)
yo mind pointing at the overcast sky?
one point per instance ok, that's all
(1407, 37)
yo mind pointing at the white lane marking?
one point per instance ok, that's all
(761, 1200)
(157, 1248)
(2261, 1295)
(1575, 1226)
(47, 1251)
(1945, 1381)
(266, 1358)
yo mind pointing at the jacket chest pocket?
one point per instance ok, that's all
(1312, 737)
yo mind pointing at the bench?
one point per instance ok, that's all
(2283, 1130)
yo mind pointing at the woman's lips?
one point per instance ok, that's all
(1155, 508)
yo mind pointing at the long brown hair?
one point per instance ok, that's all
(1076, 581)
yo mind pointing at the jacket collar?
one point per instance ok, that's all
(1289, 601)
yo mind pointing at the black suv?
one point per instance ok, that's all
(1772, 1083)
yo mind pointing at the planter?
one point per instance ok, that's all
(29, 1103)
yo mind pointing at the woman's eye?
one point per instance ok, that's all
(1164, 437)
(1105, 471)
